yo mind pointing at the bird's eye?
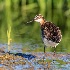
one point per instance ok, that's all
(36, 16)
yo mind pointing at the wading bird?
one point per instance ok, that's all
(51, 34)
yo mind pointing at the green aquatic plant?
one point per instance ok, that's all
(8, 20)
(9, 38)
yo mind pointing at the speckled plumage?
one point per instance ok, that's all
(51, 34)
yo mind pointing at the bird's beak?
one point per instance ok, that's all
(30, 21)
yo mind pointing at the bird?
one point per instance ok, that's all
(51, 34)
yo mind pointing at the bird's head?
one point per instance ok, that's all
(38, 18)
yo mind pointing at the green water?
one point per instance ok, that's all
(17, 13)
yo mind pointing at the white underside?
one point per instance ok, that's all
(49, 43)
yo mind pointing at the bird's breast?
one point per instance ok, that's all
(49, 43)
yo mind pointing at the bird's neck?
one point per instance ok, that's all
(42, 22)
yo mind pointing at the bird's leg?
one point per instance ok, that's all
(44, 54)
(54, 51)
(44, 49)
(54, 54)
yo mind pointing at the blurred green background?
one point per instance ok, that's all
(16, 13)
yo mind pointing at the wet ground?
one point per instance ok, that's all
(33, 60)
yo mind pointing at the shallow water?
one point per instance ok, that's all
(34, 60)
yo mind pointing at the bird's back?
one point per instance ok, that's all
(51, 32)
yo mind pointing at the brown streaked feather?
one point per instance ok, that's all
(51, 32)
